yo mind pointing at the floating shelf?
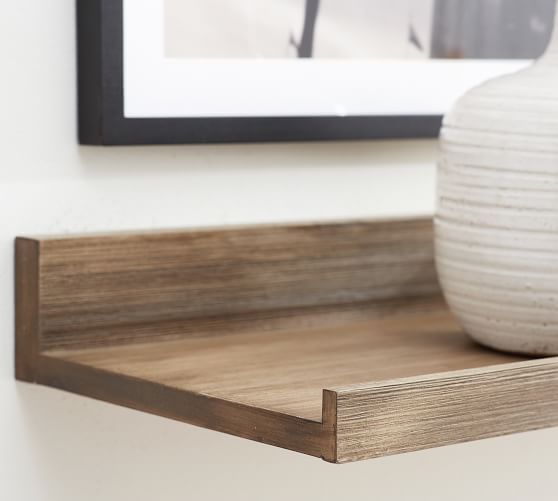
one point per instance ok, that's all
(330, 340)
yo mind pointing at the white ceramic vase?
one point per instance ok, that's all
(497, 219)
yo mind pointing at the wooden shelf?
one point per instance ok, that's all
(330, 340)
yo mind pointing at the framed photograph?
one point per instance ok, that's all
(205, 71)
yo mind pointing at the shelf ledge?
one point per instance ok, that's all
(330, 340)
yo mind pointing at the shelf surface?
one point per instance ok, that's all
(329, 340)
(287, 371)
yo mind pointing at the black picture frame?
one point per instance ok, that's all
(101, 102)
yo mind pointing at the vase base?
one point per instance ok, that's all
(517, 346)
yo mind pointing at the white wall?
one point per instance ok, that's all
(59, 447)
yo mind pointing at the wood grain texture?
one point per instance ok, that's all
(26, 308)
(122, 288)
(268, 427)
(287, 371)
(272, 334)
(403, 415)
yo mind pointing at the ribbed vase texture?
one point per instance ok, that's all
(497, 220)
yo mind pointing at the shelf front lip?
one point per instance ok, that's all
(404, 415)
(362, 421)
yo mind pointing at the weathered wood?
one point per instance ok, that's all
(26, 308)
(287, 371)
(263, 333)
(403, 415)
(272, 428)
(135, 287)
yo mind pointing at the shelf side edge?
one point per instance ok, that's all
(26, 308)
(329, 424)
(252, 423)
(436, 410)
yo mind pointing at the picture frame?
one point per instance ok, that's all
(104, 79)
